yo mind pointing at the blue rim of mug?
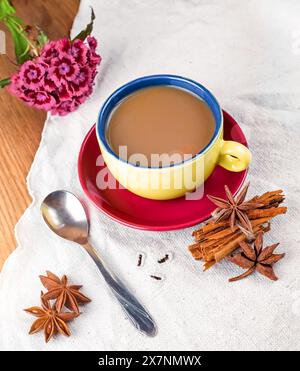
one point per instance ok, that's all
(157, 80)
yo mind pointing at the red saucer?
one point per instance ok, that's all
(137, 212)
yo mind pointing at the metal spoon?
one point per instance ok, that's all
(65, 215)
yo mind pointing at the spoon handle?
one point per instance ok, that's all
(134, 310)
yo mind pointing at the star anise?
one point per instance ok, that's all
(256, 258)
(50, 320)
(68, 296)
(234, 209)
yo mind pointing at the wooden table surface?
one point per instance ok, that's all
(21, 126)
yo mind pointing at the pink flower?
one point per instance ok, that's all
(79, 51)
(32, 74)
(81, 99)
(41, 99)
(26, 96)
(92, 42)
(82, 82)
(50, 51)
(64, 92)
(61, 78)
(94, 58)
(49, 84)
(63, 68)
(64, 46)
(15, 85)
(64, 108)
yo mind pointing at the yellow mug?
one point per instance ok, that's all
(172, 181)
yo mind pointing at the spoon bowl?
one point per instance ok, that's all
(65, 215)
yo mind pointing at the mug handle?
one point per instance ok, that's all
(234, 156)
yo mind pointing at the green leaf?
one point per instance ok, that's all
(88, 30)
(6, 9)
(26, 46)
(42, 39)
(4, 82)
(22, 47)
(15, 26)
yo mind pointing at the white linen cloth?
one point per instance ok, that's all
(248, 55)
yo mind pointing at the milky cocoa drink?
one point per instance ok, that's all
(158, 121)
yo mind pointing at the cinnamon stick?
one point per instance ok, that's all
(229, 248)
(214, 241)
(270, 212)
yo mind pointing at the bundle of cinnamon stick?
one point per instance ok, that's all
(214, 241)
